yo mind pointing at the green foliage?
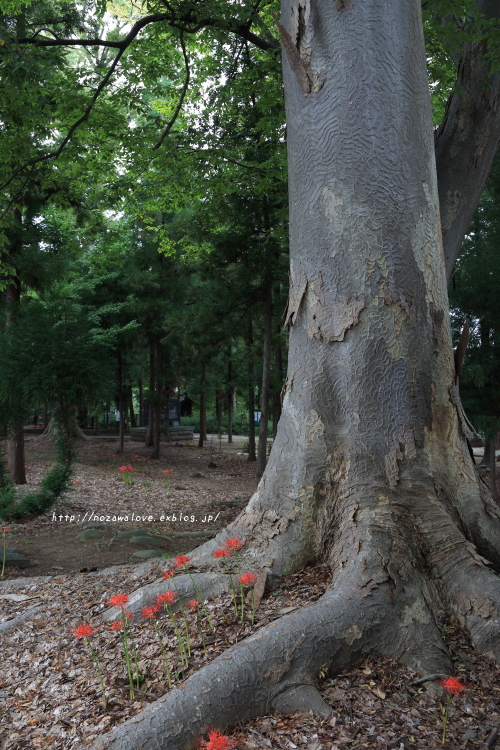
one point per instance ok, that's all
(474, 295)
(53, 355)
(52, 487)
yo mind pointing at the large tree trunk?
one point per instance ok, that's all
(266, 379)
(278, 360)
(73, 429)
(370, 471)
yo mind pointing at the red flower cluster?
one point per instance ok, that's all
(452, 685)
(247, 579)
(218, 741)
(116, 625)
(83, 631)
(181, 561)
(120, 600)
(234, 543)
(125, 468)
(168, 597)
(168, 471)
(149, 611)
(193, 604)
(5, 528)
(168, 574)
(222, 552)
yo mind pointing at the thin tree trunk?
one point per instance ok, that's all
(45, 416)
(15, 433)
(266, 378)
(230, 396)
(151, 409)
(218, 409)
(158, 403)
(251, 396)
(141, 406)
(121, 403)
(203, 408)
(133, 422)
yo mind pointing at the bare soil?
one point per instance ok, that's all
(195, 497)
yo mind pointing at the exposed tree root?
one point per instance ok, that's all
(9, 625)
(208, 585)
(397, 561)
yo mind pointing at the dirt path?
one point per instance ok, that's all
(205, 490)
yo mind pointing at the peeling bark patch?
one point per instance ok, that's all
(328, 320)
(416, 612)
(295, 297)
(276, 671)
(437, 328)
(352, 634)
(484, 607)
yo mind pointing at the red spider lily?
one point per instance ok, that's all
(247, 579)
(234, 543)
(4, 529)
(168, 471)
(83, 631)
(168, 597)
(452, 685)
(117, 625)
(149, 611)
(218, 741)
(167, 574)
(125, 468)
(222, 552)
(120, 600)
(181, 560)
(76, 482)
(193, 604)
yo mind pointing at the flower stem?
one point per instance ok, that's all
(232, 588)
(180, 641)
(96, 662)
(127, 657)
(212, 627)
(132, 640)
(186, 627)
(445, 720)
(167, 668)
(200, 631)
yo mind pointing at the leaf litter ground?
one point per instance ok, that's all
(50, 695)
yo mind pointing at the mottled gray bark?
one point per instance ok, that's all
(467, 141)
(266, 381)
(370, 470)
